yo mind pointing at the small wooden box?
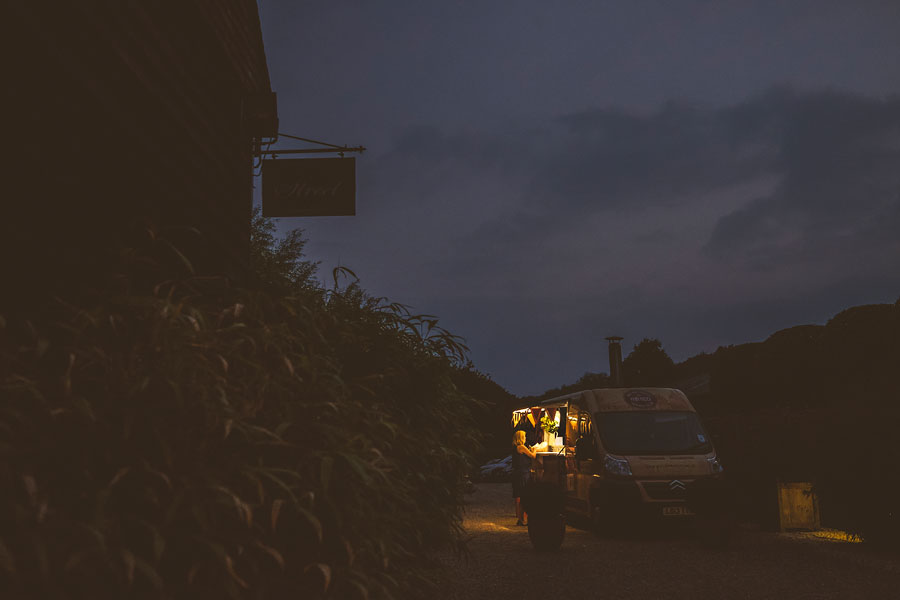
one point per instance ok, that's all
(798, 506)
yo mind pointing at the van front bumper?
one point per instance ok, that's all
(618, 497)
(704, 496)
(642, 499)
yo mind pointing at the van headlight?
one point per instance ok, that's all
(616, 466)
(715, 466)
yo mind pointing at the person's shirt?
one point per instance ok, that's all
(520, 461)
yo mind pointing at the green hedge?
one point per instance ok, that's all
(849, 452)
(203, 441)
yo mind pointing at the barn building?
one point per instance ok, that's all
(124, 117)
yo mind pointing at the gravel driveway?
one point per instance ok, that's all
(502, 564)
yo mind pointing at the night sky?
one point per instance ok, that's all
(705, 173)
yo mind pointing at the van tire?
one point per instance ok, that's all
(546, 533)
(543, 502)
(602, 526)
(611, 525)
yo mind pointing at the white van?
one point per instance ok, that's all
(621, 452)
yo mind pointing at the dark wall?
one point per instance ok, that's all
(121, 116)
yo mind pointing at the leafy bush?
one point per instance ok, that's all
(859, 486)
(492, 412)
(197, 440)
(849, 453)
(815, 403)
(277, 264)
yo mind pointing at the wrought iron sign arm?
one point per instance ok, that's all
(331, 148)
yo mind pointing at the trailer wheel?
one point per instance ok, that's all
(578, 521)
(546, 533)
(543, 502)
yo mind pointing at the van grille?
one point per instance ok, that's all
(665, 490)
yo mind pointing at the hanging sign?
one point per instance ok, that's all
(309, 187)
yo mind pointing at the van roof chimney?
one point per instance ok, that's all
(615, 360)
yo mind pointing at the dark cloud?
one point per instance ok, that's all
(834, 156)
(543, 177)
(838, 158)
(700, 225)
(611, 159)
(505, 149)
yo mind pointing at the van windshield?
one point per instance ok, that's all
(665, 432)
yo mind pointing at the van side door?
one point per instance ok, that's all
(581, 458)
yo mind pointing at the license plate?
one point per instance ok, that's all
(670, 511)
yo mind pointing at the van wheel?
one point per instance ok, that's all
(546, 533)
(602, 525)
(598, 524)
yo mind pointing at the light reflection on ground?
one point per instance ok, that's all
(479, 526)
(829, 535)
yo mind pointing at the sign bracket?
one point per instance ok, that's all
(331, 148)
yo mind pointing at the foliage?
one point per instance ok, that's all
(278, 264)
(648, 365)
(492, 411)
(816, 403)
(588, 381)
(699, 364)
(854, 355)
(848, 454)
(193, 440)
(549, 425)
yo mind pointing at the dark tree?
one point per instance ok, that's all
(648, 365)
(588, 381)
(278, 264)
(492, 412)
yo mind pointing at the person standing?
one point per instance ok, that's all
(521, 473)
